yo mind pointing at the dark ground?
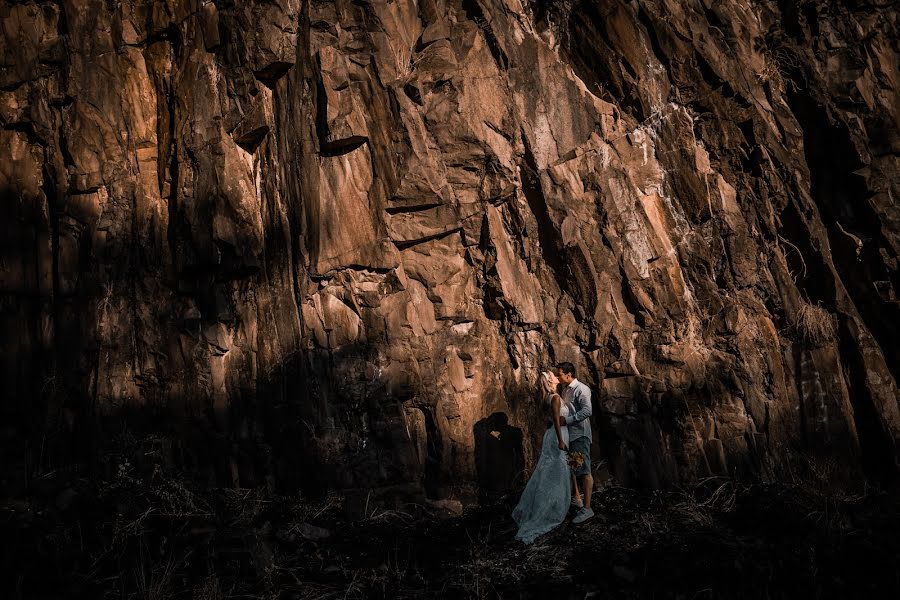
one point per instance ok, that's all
(155, 535)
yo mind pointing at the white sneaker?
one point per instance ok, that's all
(577, 503)
(583, 515)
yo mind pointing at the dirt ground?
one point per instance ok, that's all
(156, 536)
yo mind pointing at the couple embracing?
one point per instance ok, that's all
(553, 487)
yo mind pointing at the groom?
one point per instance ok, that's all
(579, 395)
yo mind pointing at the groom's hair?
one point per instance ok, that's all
(567, 368)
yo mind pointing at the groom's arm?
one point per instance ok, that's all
(583, 395)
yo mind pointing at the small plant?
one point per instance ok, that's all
(815, 325)
(246, 505)
(209, 589)
(778, 61)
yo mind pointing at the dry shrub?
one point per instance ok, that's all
(815, 324)
(209, 589)
(826, 478)
(825, 495)
(245, 505)
(771, 74)
(705, 503)
(779, 61)
(172, 494)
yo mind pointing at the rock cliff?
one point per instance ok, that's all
(332, 243)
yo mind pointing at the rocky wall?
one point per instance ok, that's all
(330, 244)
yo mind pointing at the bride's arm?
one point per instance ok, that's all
(554, 408)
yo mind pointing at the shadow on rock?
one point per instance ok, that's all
(499, 459)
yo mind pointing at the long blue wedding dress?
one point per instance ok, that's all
(545, 501)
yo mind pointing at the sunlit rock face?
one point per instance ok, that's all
(331, 244)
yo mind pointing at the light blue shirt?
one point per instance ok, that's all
(579, 396)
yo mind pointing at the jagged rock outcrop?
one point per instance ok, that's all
(332, 243)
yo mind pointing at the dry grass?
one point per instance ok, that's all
(823, 478)
(815, 325)
(148, 541)
(771, 74)
(209, 589)
(300, 509)
(703, 529)
(778, 62)
(245, 504)
(705, 512)
(156, 580)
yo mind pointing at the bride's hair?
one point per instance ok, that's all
(547, 384)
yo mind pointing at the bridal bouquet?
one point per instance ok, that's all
(575, 460)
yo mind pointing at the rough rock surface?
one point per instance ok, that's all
(331, 243)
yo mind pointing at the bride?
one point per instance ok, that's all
(545, 501)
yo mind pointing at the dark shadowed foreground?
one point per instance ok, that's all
(141, 532)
